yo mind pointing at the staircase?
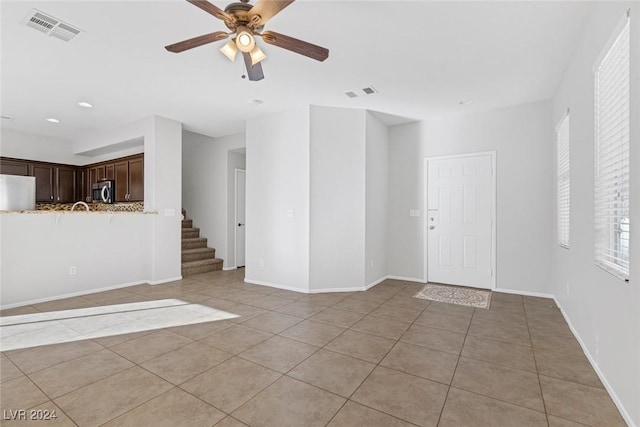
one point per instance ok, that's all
(196, 256)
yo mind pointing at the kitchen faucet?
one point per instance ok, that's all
(86, 206)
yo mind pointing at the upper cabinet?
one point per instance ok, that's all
(129, 177)
(14, 167)
(54, 183)
(57, 183)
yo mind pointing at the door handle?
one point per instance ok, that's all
(431, 227)
(240, 224)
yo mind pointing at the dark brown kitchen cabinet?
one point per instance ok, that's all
(14, 167)
(45, 179)
(96, 174)
(109, 171)
(136, 179)
(129, 177)
(65, 184)
(82, 185)
(54, 184)
(58, 183)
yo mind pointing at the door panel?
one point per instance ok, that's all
(460, 220)
(136, 180)
(240, 217)
(65, 185)
(121, 174)
(44, 182)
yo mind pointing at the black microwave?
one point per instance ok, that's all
(104, 191)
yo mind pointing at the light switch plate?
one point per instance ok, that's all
(414, 212)
(169, 212)
(291, 213)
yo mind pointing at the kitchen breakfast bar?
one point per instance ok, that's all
(52, 254)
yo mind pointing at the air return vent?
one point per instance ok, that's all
(369, 90)
(51, 26)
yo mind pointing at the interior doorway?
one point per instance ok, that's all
(460, 220)
(240, 216)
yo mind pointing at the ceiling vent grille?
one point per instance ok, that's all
(51, 26)
(369, 90)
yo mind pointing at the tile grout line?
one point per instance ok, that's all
(372, 370)
(446, 397)
(535, 361)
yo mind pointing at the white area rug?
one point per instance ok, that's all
(479, 298)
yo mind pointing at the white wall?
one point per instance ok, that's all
(376, 199)
(38, 249)
(205, 187)
(163, 169)
(278, 199)
(603, 310)
(522, 137)
(22, 145)
(337, 223)
(405, 245)
(235, 161)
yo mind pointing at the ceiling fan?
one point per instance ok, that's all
(246, 23)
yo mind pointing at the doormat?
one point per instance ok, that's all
(471, 297)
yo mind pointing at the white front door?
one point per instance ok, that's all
(460, 218)
(240, 226)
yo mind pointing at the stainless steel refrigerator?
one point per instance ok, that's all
(17, 193)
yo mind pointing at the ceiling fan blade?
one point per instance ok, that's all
(294, 45)
(265, 10)
(253, 71)
(196, 41)
(212, 9)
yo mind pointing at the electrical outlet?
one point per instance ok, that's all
(568, 288)
(261, 262)
(72, 270)
(371, 263)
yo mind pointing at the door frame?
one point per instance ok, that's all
(235, 214)
(425, 195)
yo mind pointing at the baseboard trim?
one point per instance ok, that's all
(325, 290)
(594, 365)
(275, 285)
(377, 282)
(406, 279)
(73, 294)
(229, 268)
(525, 293)
(160, 282)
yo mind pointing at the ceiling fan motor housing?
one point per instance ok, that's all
(240, 13)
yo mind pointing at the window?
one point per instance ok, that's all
(612, 155)
(563, 177)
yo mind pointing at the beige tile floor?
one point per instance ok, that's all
(374, 358)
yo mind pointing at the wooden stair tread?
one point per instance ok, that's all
(201, 262)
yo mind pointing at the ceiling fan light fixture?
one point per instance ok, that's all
(230, 50)
(245, 40)
(257, 55)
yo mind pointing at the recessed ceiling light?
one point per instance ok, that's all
(85, 104)
(7, 118)
(52, 120)
(256, 101)
(465, 102)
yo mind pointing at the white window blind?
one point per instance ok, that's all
(612, 156)
(563, 177)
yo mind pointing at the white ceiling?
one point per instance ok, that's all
(423, 57)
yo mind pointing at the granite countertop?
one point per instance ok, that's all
(94, 208)
(63, 212)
